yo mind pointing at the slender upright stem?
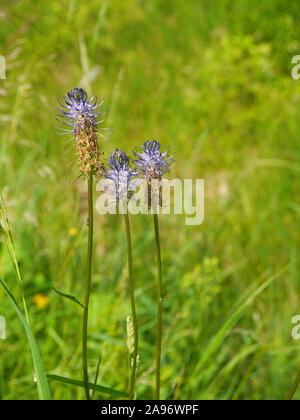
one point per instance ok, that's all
(88, 285)
(294, 388)
(133, 308)
(159, 306)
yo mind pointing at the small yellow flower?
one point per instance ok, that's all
(73, 231)
(41, 300)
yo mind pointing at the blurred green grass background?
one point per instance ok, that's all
(213, 80)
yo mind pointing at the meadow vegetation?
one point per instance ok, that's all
(213, 80)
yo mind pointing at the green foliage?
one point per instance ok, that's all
(41, 379)
(212, 79)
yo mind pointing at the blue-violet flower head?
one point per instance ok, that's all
(152, 163)
(81, 116)
(75, 108)
(121, 175)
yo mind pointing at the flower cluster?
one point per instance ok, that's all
(82, 117)
(151, 165)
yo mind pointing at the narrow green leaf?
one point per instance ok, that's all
(101, 19)
(220, 335)
(103, 389)
(42, 382)
(293, 389)
(69, 297)
(98, 370)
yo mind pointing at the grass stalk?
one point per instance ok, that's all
(133, 308)
(293, 388)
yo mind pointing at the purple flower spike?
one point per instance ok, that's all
(81, 117)
(75, 108)
(152, 163)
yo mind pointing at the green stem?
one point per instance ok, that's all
(294, 388)
(88, 285)
(159, 306)
(133, 308)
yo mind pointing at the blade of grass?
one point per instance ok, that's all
(12, 253)
(98, 370)
(84, 58)
(42, 382)
(99, 388)
(245, 378)
(228, 372)
(278, 163)
(72, 8)
(220, 335)
(294, 388)
(101, 17)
